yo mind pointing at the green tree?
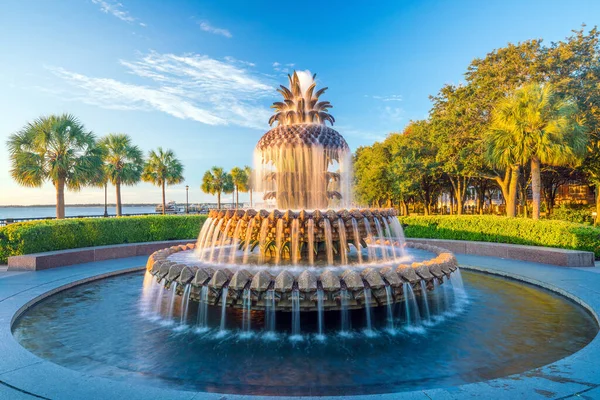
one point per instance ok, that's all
(56, 148)
(534, 125)
(217, 181)
(162, 168)
(250, 183)
(239, 178)
(123, 162)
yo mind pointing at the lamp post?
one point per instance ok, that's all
(105, 199)
(187, 189)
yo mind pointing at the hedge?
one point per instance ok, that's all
(49, 235)
(485, 228)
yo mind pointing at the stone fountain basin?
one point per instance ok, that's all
(387, 283)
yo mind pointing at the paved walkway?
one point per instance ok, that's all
(25, 376)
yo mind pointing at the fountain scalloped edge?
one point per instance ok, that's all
(333, 284)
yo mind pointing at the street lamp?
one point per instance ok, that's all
(187, 189)
(105, 199)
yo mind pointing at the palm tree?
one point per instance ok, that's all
(162, 168)
(123, 162)
(239, 178)
(217, 181)
(536, 125)
(250, 182)
(56, 148)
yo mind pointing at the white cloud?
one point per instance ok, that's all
(116, 9)
(276, 64)
(206, 27)
(188, 86)
(392, 97)
(393, 113)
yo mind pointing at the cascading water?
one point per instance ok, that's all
(279, 241)
(270, 311)
(370, 249)
(236, 241)
(320, 312)
(203, 308)
(311, 241)
(248, 236)
(246, 308)
(215, 238)
(367, 294)
(390, 310)
(172, 300)
(425, 301)
(343, 242)
(295, 241)
(346, 326)
(413, 317)
(222, 248)
(184, 304)
(296, 314)
(223, 308)
(356, 239)
(328, 241)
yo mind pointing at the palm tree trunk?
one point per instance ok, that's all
(237, 197)
(536, 187)
(118, 187)
(511, 200)
(60, 198)
(597, 220)
(218, 200)
(163, 198)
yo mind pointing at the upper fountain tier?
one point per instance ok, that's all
(302, 163)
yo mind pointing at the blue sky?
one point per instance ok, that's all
(199, 76)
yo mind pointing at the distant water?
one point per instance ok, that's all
(50, 211)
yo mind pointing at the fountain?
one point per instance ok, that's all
(307, 249)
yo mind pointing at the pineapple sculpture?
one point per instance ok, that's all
(294, 158)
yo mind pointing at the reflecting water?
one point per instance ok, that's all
(104, 328)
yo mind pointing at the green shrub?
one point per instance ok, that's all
(50, 235)
(574, 213)
(550, 233)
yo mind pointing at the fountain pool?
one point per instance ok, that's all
(109, 328)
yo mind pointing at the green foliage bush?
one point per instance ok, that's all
(487, 228)
(39, 236)
(574, 213)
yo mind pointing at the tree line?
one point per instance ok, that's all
(60, 150)
(217, 181)
(527, 116)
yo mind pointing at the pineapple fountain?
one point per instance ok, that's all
(307, 250)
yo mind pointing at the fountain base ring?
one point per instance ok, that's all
(385, 284)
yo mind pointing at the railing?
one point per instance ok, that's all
(8, 221)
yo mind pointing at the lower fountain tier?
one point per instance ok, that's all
(386, 284)
(300, 234)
